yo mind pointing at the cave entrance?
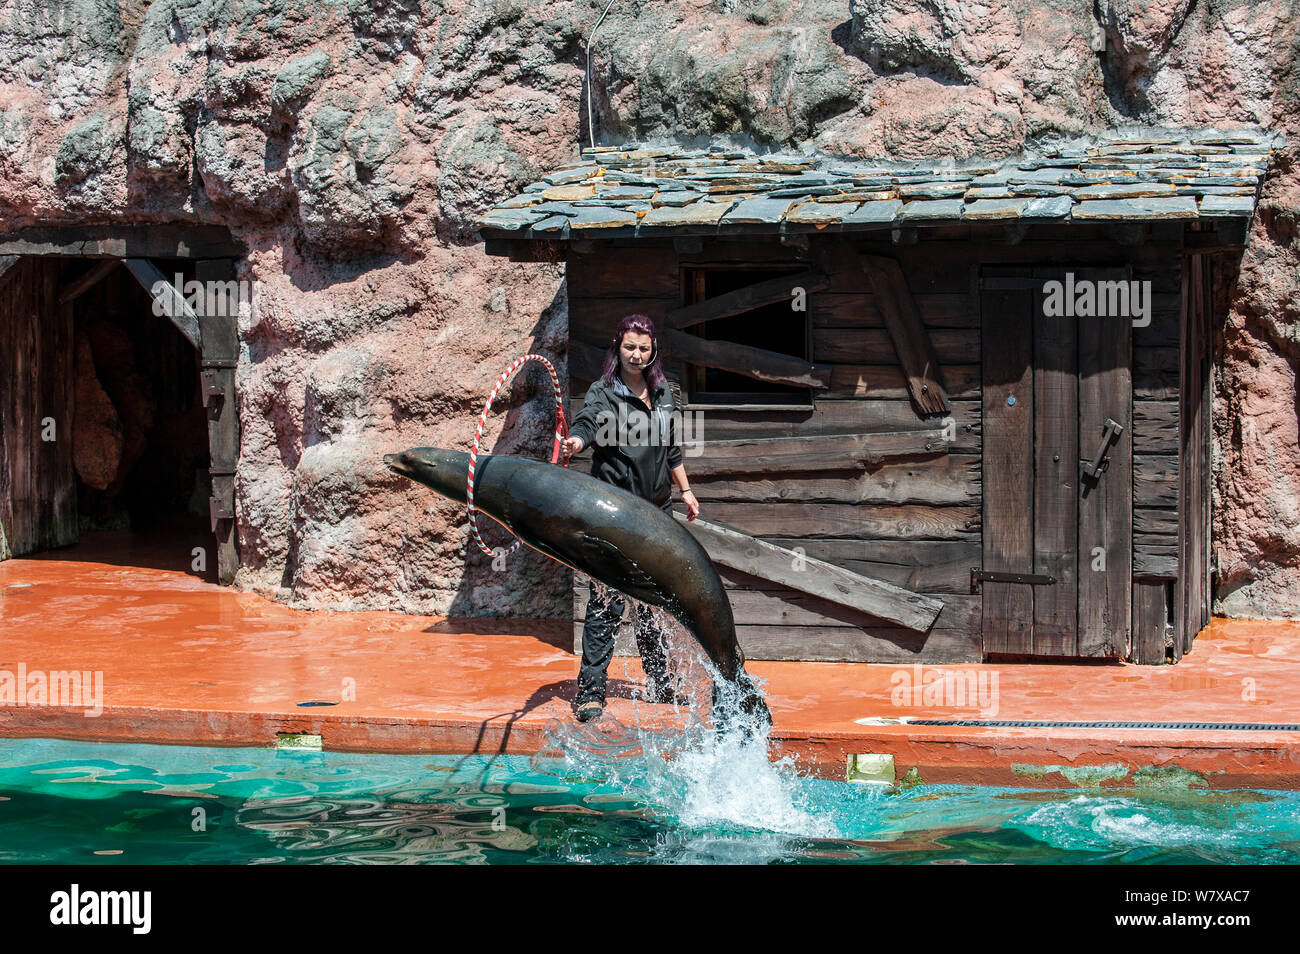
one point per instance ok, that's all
(118, 430)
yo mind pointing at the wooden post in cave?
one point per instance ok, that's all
(219, 333)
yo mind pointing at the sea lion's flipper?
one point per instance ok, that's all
(633, 580)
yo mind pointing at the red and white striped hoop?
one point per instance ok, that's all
(561, 433)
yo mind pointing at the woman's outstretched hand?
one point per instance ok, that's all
(570, 446)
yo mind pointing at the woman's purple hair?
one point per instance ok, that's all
(642, 326)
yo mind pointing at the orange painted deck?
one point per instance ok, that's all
(185, 661)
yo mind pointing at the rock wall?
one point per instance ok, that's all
(351, 143)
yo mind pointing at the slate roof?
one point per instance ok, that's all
(615, 191)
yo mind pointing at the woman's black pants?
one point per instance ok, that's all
(600, 632)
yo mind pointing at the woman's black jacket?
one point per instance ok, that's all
(632, 448)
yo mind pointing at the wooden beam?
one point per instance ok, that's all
(915, 353)
(744, 299)
(825, 580)
(933, 479)
(97, 273)
(124, 241)
(6, 263)
(168, 296)
(779, 455)
(751, 362)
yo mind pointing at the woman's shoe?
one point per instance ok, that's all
(589, 710)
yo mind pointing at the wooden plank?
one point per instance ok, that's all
(36, 346)
(25, 434)
(837, 309)
(1056, 477)
(1008, 465)
(1156, 521)
(7, 262)
(906, 522)
(1163, 330)
(1155, 374)
(825, 644)
(831, 417)
(8, 373)
(792, 608)
(773, 605)
(1193, 443)
(1155, 480)
(1106, 518)
(1155, 562)
(880, 644)
(1155, 427)
(1149, 614)
(740, 551)
(813, 453)
(219, 310)
(596, 319)
(908, 334)
(767, 292)
(625, 273)
(728, 251)
(888, 382)
(841, 417)
(170, 298)
(875, 346)
(92, 277)
(944, 479)
(926, 566)
(757, 363)
(124, 241)
(11, 357)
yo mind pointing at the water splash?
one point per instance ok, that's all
(702, 762)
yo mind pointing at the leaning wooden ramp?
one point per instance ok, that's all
(740, 551)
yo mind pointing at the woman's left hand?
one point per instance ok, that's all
(692, 505)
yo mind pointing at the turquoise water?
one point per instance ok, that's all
(616, 800)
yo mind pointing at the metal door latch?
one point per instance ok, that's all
(212, 387)
(218, 510)
(1100, 462)
(979, 575)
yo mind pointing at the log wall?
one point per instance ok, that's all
(913, 521)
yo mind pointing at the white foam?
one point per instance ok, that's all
(702, 777)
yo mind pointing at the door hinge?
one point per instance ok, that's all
(979, 575)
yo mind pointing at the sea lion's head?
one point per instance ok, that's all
(442, 471)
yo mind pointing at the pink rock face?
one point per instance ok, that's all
(351, 146)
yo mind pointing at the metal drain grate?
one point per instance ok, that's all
(1029, 723)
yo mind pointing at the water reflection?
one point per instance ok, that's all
(458, 828)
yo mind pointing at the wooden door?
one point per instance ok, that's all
(1057, 389)
(38, 488)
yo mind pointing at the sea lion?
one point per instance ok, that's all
(604, 531)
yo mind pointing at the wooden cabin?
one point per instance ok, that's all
(921, 422)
